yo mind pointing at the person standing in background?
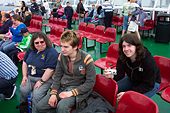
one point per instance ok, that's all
(108, 13)
(80, 10)
(68, 11)
(125, 16)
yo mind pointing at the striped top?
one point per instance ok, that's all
(107, 6)
(8, 69)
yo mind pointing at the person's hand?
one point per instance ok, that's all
(119, 96)
(108, 74)
(37, 84)
(16, 44)
(65, 94)
(52, 101)
(24, 80)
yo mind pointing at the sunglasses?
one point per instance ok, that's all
(41, 42)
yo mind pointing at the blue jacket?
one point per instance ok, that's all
(16, 33)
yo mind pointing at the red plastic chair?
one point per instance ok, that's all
(89, 29)
(111, 58)
(37, 26)
(80, 42)
(63, 23)
(133, 102)
(117, 21)
(75, 16)
(107, 88)
(109, 36)
(81, 29)
(50, 22)
(164, 65)
(97, 33)
(20, 56)
(166, 94)
(58, 33)
(88, 32)
(52, 34)
(148, 25)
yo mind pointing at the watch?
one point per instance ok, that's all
(41, 81)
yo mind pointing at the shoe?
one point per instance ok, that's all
(13, 92)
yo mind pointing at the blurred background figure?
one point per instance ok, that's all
(80, 10)
(68, 11)
(108, 13)
(27, 18)
(47, 10)
(8, 77)
(23, 9)
(7, 22)
(34, 7)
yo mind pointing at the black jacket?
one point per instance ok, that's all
(80, 8)
(143, 74)
(5, 27)
(68, 11)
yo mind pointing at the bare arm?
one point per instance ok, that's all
(47, 75)
(24, 73)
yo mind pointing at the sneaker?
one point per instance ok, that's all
(13, 92)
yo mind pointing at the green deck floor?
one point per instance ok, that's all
(9, 106)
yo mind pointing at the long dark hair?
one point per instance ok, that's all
(134, 40)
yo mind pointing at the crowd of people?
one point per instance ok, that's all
(60, 81)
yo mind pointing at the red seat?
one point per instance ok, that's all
(75, 16)
(97, 33)
(89, 29)
(80, 42)
(109, 36)
(37, 26)
(164, 65)
(111, 58)
(50, 22)
(20, 56)
(166, 94)
(148, 25)
(52, 34)
(133, 102)
(117, 21)
(81, 29)
(64, 23)
(58, 33)
(107, 88)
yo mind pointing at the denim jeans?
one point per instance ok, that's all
(125, 84)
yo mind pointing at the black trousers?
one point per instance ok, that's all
(108, 19)
(69, 21)
(6, 86)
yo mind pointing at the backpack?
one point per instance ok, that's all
(96, 104)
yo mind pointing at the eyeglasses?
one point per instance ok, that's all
(41, 42)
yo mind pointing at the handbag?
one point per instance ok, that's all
(133, 26)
